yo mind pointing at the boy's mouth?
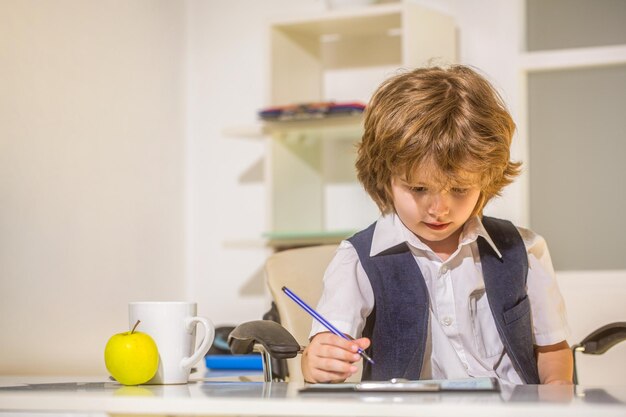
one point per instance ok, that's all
(437, 226)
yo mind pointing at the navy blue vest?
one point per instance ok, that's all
(398, 324)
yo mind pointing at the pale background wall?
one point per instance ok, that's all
(92, 164)
(117, 182)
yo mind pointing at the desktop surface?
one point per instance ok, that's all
(210, 397)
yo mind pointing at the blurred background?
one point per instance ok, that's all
(133, 167)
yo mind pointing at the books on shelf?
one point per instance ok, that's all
(308, 111)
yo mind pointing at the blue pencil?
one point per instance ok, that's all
(322, 320)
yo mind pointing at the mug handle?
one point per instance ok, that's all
(209, 335)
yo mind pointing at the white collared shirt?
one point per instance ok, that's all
(463, 338)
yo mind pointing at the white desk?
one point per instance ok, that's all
(31, 396)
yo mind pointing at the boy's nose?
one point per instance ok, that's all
(438, 205)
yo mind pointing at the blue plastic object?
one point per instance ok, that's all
(251, 361)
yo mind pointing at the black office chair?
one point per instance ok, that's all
(599, 341)
(270, 339)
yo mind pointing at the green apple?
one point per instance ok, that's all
(131, 357)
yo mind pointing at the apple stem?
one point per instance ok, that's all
(135, 326)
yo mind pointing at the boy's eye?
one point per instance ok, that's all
(458, 190)
(418, 189)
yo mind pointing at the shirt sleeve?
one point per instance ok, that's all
(347, 297)
(549, 316)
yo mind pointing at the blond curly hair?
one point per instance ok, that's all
(450, 120)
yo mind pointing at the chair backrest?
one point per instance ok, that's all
(301, 270)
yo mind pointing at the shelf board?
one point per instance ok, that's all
(363, 21)
(284, 240)
(573, 58)
(332, 126)
(306, 238)
(336, 123)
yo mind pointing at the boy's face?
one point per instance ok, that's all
(435, 214)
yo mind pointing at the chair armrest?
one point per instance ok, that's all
(603, 338)
(276, 340)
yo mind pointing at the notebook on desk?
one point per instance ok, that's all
(402, 385)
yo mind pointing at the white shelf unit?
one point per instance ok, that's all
(561, 59)
(335, 56)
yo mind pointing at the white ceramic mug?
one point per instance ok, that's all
(172, 325)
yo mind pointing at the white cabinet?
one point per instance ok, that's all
(339, 55)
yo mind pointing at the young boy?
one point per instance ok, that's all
(433, 288)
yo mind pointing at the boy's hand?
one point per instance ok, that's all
(330, 358)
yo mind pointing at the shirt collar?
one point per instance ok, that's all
(390, 232)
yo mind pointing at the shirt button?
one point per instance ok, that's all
(443, 270)
(446, 321)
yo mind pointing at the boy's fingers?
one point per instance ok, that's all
(332, 370)
(323, 351)
(328, 338)
(336, 366)
(319, 362)
(333, 352)
(363, 342)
